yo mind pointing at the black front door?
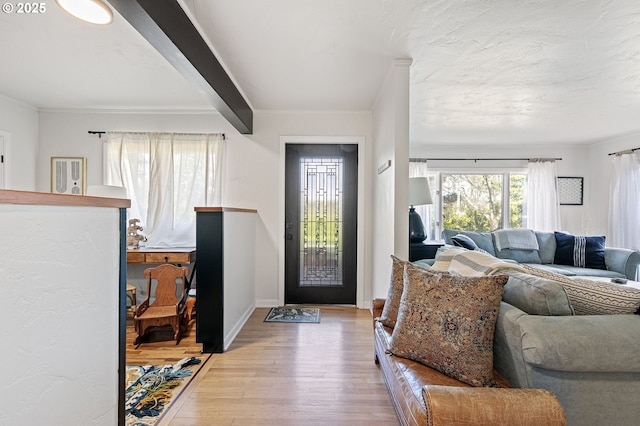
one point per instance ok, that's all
(321, 201)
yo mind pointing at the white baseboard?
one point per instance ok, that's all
(230, 337)
(267, 303)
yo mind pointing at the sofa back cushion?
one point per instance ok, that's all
(483, 240)
(546, 246)
(536, 295)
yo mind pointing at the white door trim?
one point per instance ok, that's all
(360, 141)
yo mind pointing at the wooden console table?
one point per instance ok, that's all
(154, 256)
(177, 255)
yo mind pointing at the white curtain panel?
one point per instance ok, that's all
(166, 176)
(543, 212)
(419, 169)
(624, 205)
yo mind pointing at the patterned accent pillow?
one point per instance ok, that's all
(447, 322)
(585, 252)
(391, 305)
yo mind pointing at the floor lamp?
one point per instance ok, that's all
(419, 194)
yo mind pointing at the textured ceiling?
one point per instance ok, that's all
(491, 72)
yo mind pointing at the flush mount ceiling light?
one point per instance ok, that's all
(93, 11)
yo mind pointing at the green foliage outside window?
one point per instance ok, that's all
(474, 201)
(517, 184)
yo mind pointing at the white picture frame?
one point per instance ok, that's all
(68, 175)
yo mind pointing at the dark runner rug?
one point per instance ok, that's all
(149, 390)
(282, 314)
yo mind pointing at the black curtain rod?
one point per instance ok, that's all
(626, 151)
(102, 132)
(424, 160)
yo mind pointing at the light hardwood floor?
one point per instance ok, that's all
(290, 374)
(163, 352)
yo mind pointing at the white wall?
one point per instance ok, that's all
(251, 178)
(59, 298)
(19, 126)
(239, 234)
(390, 188)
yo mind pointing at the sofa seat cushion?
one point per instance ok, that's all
(587, 272)
(536, 295)
(572, 271)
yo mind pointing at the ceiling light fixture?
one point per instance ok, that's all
(93, 11)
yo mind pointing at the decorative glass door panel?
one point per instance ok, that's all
(321, 224)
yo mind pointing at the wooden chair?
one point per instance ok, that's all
(168, 308)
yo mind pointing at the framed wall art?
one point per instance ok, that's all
(68, 175)
(570, 190)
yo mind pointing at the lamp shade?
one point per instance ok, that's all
(419, 191)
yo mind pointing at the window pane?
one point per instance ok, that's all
(517, 185)
(472, 201)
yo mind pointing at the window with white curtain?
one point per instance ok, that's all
(166, 175)
(542, 204)
(624, 204)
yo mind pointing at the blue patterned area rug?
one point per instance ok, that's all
(149, 390)
(282, 314)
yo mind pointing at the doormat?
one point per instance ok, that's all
(281, 314)
(149, 390)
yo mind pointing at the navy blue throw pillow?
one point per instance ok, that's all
(464, 241)
(585, 252)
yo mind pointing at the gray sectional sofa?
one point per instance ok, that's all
(620, 262)
(590, 362)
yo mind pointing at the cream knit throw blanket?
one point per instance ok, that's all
(471, 263)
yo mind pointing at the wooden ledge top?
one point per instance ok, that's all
(49, 199)
(223, 209)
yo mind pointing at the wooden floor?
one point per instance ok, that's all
(290, 374)
(163, 350)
